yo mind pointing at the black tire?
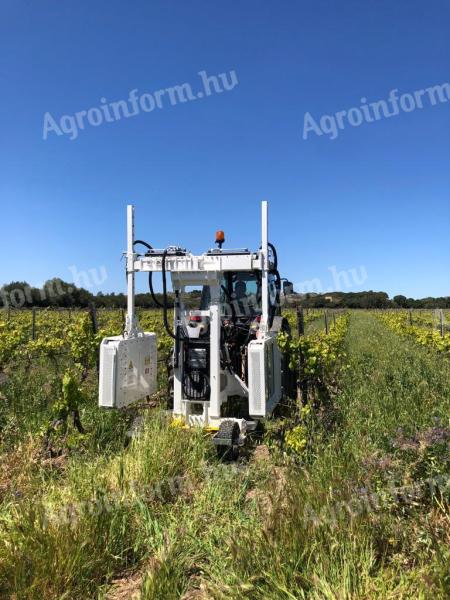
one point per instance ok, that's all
(228, 430)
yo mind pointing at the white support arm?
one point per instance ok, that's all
(130, 323)
(265, 266)
(214, 359)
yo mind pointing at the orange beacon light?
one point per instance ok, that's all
(220, 238)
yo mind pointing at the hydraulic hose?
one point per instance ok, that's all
(164, 281)
(150, 285)
(150, 276)
(143, 244)
(277, 299)
(274, 271)
(175, 336)
(275, 257)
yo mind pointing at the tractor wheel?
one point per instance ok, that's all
(227, 440)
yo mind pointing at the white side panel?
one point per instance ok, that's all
(264, 376)
(107, 380)
(256, 380)
(128, 369)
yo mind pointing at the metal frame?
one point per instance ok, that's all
(205, 269)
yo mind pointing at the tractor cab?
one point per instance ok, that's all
(241, 295)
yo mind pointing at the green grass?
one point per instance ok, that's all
(396, 551)
(268, 528)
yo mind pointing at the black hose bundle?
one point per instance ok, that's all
(165, 318)
(150, 276)
(274, 271)
(275, 257)
(175, 336)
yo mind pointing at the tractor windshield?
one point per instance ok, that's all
(240, 294)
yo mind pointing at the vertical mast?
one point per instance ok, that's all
(265, 266)
(130, 322)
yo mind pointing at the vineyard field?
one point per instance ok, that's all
(343, 495)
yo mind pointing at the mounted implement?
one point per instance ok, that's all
(226, 367)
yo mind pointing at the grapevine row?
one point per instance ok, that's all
(431, 338)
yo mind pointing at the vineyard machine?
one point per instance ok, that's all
(227, 372)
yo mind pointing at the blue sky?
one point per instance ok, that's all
(375, 197)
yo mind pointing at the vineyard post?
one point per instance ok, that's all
(437, 313)
(410, 316)
(442, 320)
(33, 323)
(302, 384)
(334, 318)
(300, 321)
(93, 315)
(325, 314)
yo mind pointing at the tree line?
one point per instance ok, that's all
(367, 299)
(61, 294)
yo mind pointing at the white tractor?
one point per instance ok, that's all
(227, 370)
